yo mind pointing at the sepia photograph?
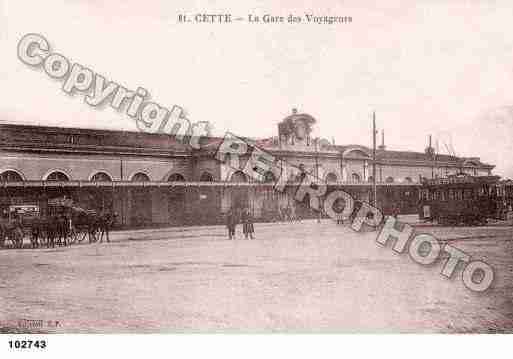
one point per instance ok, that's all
(258, 167)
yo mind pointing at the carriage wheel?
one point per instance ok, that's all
(73, 236)
(79, 235)
(17, 239)
(93, 236)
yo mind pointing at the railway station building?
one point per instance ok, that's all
(156, 180)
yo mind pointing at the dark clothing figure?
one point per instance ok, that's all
(231, 223)
(107, 220)
(34, 235)
(288, 214)
(247, 224)
(93, 226)
(62, 230)
(51, 231)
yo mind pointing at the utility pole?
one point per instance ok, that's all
(431, 152)
(317, 174)
(121, 191)
(374, 190)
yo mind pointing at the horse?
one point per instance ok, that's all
(105, 222)
(11, 231)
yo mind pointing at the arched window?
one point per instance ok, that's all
(140, 177)
(408, 180)
(101, 177)
(389, 179)
(10, 176)
(331, 177)
(206, 177)
(176, 177)
(238, 176)
(57, 176)
(355, 177)
(269, 177)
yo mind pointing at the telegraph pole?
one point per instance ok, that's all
(431, 152)
(317, 174)
(374, 191)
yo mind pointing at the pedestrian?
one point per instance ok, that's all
(51, 231)
(62, 229)
(339, 208)
(231, 223)
(293, 214)
(395, 210)
(34, 238)
(247, 224)
(288, 213)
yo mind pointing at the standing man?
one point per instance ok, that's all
(231, 222)
(51, 231)
(247, 224)
(63, 229)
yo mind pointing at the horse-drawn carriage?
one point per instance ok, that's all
(14, 222)
(61, 223)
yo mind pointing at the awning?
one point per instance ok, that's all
(130, 184)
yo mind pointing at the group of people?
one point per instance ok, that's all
(234, 217)
(288, 214)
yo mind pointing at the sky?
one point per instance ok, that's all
(435, 67)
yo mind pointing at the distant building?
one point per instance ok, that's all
(154, 179)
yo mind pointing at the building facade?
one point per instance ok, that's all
(154, 179)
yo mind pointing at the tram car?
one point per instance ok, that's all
(460, 199)
(505, 194)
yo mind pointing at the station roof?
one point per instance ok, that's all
(34, 138)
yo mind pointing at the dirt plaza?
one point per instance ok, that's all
(295, 277)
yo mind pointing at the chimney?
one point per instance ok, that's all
(382, 147)
(429, 149)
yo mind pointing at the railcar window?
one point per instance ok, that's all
(443, 196)
(451, 194)
(467, 194)
(459, 195)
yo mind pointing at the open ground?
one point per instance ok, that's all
(300, 277)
